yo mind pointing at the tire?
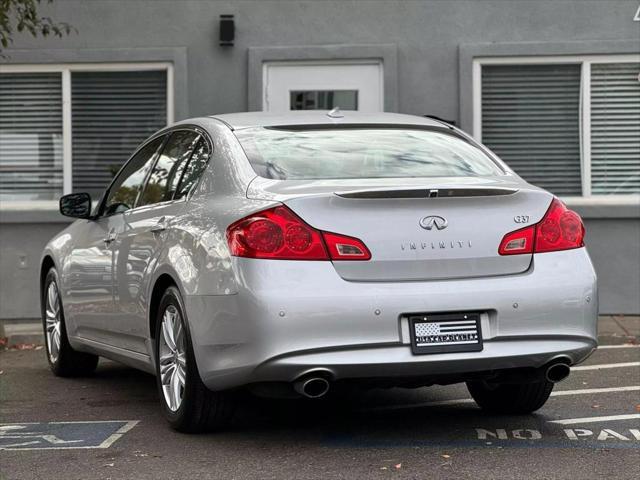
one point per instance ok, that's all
(520, 398)
(63, 360)
(188, 405)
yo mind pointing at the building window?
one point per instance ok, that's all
(615, 128)
(30, 136)
(73, 126)
(567, 124)
(531, 119)
(323, 99)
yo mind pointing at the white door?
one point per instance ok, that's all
(322, 86)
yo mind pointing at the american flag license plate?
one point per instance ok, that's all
(440, 333)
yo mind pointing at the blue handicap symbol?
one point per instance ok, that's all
(48, 435)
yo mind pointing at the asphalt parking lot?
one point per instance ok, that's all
(110, 426)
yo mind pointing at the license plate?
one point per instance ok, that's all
(441, 333)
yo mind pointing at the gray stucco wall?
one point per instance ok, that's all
(427, 40)
(20, 247)
(427, 33)
(617, 263)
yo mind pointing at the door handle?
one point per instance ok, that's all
(161, 226)
(111, 236)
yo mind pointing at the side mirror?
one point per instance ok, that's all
(76, 205)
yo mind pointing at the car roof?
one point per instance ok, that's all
(238, 121)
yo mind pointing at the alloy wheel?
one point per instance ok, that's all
(172, 358)
(53, 322)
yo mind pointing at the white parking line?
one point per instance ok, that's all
(121, 431)
(572, 421)
(605, 365)
(586, 391)
(435, 403)
(626, 345)
(459, 401)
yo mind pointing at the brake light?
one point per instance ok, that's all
(559, 229)
(278, 233)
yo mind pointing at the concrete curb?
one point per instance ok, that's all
(16, 333)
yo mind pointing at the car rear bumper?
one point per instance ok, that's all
(290, 318)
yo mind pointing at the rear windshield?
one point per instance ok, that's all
(361, 153)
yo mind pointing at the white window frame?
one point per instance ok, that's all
(585, 61)
(66, 69)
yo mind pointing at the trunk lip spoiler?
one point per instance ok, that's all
(426, 192)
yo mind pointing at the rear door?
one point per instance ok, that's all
(143, 235)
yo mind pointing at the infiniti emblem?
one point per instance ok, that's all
(433, 220)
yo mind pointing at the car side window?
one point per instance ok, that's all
(194, 168)
(124, 191)
(167, 171)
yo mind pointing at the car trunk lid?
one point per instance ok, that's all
(417, 229)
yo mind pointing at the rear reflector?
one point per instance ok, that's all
(559, 229)
(278, 233)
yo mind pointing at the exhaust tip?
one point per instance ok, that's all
(557, 372)
(314, 387)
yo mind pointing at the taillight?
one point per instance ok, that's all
(342, 247)
(278, 233)
(559, 229)
(520, 241)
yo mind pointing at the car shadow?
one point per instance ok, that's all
(351, 417)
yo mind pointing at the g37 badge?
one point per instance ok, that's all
(521, 219)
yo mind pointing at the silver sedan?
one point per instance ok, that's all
(291, 253)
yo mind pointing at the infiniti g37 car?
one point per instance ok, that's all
(297, 252)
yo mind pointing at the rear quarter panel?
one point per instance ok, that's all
(196, 254)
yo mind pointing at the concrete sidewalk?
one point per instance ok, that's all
(619, 329)
(612, 330)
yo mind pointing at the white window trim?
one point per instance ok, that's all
(585, 61)
(66, 69)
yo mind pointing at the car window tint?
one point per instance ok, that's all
(194, 168)
(167, 171)
(124, 191)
